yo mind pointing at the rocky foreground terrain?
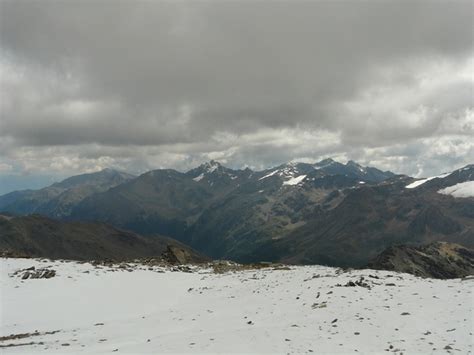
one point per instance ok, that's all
(226, 308)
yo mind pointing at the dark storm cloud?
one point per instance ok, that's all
(245, 82)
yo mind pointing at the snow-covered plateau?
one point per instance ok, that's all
(298, 309)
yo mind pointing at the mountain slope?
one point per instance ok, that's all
(39, 236)
(58, 199)
(439, 260)
(272, 204)
(326, 213)
(372, 218)
(226, 212)
(162, 201)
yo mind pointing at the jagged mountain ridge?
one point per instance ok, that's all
(175, 204)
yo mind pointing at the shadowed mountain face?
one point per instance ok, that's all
(332, 219)
(326, 213)
(372, 218)
(439, 260)
(38, 236)
(161, 201)
(58, 199)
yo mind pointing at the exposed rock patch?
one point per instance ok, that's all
(33, 273)
(176, 255)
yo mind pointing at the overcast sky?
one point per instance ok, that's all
(135, 85)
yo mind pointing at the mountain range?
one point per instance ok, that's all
(326, 212)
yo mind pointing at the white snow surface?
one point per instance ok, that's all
(211, 166)
(154, 310)
(294, 180)
(199, 178)
(462, 189)
(288, 172)
(268, 175)
(422, 181)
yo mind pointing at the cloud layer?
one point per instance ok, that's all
(142, 85)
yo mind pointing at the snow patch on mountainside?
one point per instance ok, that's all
(463, 189)
(286, 172)
(268, 175)
(422, 181)
(199, 178)
(143, 309)
(210, 166)
(295, 180)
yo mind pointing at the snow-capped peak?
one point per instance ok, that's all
(212, 170)
(210, 166)
(290, 174)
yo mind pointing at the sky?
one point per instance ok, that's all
(141, 85)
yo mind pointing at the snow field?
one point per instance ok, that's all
(301, 310)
